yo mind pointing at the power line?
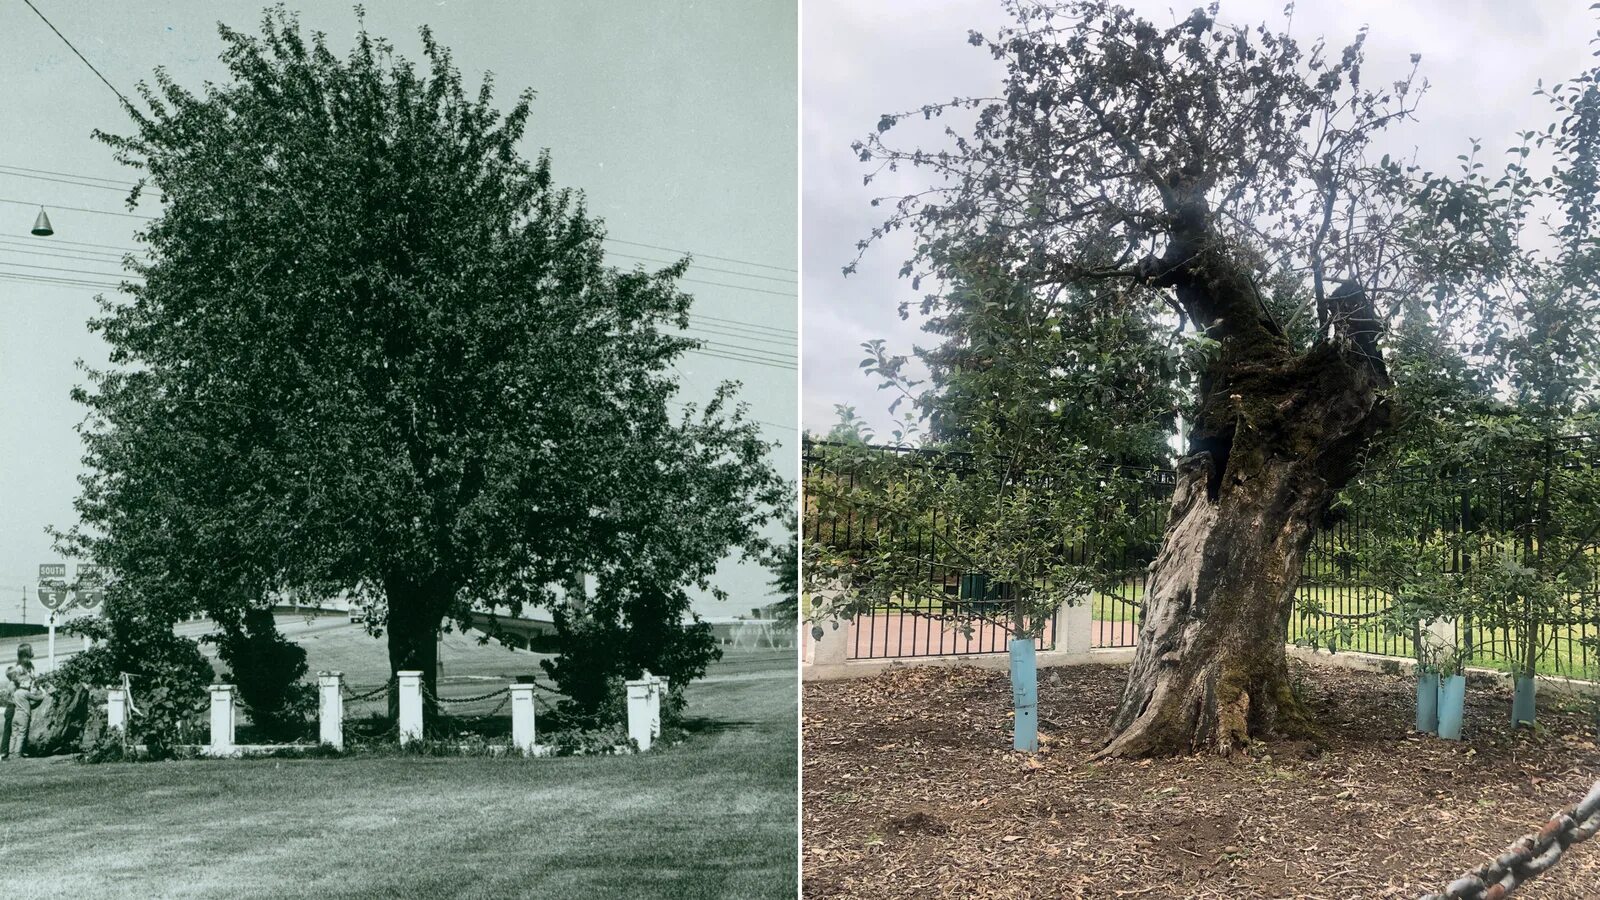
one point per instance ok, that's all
(70, 254)
(691, 406)
(79, 55)
(744, 262)
(113, 181)
(7, 262)
(101, 212)
(737, 358)
(613, 240)
(56, 240)
(103, 187)
(749, 325)
(739, 287)
(787, 343)
(668, 262)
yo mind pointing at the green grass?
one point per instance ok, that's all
(713, 816)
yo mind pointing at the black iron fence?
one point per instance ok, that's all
(1342, 602)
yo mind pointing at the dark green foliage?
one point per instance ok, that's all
(266, 668)
(167, 675)
(619, 636)
(376, 349)
(785, 565)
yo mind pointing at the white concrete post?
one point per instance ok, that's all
(639, 723)
(116, 709)
(1441, 633)
(828, 650)
(221, 720)
(410, 706)
(523, 732)
(330, 708)
(1075, 627)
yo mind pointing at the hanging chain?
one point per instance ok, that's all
(357, 698)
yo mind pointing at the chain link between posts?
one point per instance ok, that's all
(452, 701)
(357, 698)
(1529, 857)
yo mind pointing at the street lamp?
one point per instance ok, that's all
(41, 225)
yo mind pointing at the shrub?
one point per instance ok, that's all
(620, 636)
(266, 669)
(167, 673)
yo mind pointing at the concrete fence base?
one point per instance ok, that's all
(222, 721)
(330, 709)
(825, 660)
(644, 709)
(524, 734)
(410, 682)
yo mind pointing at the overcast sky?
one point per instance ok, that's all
(859, 61)
(677, 119)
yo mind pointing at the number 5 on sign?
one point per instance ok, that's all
(52, 585)
(91, 585)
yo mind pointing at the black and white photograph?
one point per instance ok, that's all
(399, 449)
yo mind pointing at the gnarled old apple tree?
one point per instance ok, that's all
(1227, 175)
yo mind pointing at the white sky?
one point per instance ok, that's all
(676, 118)
(1481, 57)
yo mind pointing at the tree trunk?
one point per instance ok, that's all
(1275, 442)
(416, 611)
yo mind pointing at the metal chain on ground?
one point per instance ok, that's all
(1529, 857)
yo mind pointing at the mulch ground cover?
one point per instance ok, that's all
(911, 790)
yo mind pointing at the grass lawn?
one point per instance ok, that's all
(713, 816)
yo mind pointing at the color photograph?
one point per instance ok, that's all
(1201, 417)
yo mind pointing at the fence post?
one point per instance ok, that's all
(410, 706)
(1077, 627)
(221, 720)
(640, 725)
(116, 710)
(829, 649)
(330, 708)
(523, 729)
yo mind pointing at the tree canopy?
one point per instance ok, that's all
(374, 348)
(1323, 294)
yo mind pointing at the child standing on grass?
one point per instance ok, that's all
(25, 695)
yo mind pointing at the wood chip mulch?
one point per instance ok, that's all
(911, 790)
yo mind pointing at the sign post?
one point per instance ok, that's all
(52, 596)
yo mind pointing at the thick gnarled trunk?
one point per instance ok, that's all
(1280, 440)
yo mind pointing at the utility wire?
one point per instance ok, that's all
(694, 265)
(711, 331)
(75, 51)
(100, 212)
(737, 358)
(739, 287)
(706, 255)
(55, 240)
(103, 187)
(749, 325)
(121, 185)
(608, 239)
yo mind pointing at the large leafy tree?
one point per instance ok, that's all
(374, 348)
(1226, 175)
